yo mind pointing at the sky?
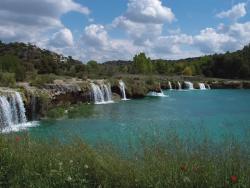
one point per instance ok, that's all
(105, 30)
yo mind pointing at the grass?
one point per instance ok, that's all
(25, 162)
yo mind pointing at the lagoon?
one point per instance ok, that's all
(215, 114)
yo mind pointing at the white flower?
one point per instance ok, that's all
(86, 166)
(186, 180)
(69, 178)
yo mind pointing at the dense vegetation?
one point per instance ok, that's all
(28, 163)
(26, 62)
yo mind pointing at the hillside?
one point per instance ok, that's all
(26, 62)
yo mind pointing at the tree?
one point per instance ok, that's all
(93, 67)
(142, 64)
(188, 71)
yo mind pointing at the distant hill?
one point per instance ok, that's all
(25, 62)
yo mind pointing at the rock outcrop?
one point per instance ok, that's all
(67, 92)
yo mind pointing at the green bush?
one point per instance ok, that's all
(56, 113)
(41, 80)
(7, 79)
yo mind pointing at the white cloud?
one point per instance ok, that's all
(96, 44)
(210, 41)
(33, 20)
(139, 33)
(62, 39)
(144, 27)
(48, 8)
(148, 11)
(143, 21)
(95, 36)
(171, 44)
(236, 12)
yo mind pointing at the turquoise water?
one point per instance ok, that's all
(212, 113)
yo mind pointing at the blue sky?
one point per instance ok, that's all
(118, 29)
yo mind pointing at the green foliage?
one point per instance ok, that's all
(81, 111)
(11, 64)
(56, 113)
(25, 59)
(188, 71)
(41, 80)
(7, 79)
(31, 163)
(142, 64)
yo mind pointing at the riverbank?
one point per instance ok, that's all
(40, 98)
(28, 163)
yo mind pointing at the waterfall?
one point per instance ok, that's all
(179, 85)
(202, 86)
(5, 112)
(106, 91)
(12, 110)
(123, 89)
(13, 103)
(170, 85)
(189, 85)
(208, 86)
(20, 105)
(156, 94)
(101, 94)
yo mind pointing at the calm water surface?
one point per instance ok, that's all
(213, 113)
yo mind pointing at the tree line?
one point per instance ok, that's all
(26, 62)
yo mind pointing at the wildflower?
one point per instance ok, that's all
(234, 179)
(69, 178)
(86, 166)
(183, 168)
(18, 138)
(186, 180)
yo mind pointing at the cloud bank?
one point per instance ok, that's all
(142, 25)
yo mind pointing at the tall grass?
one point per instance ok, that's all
(25, 162)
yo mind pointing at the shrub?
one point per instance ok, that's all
(7, 79)
(56, 113)
(41, 80)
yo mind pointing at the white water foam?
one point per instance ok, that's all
(19, 127)
(202, 86)
(156, 94)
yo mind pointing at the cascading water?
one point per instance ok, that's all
(189, 85)
(156, 94)
(101, 94)
(12, 111)
(123, 89)
(202, 86)
(5, 112)
(179, 85)
(170, 85)
(21, 109)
